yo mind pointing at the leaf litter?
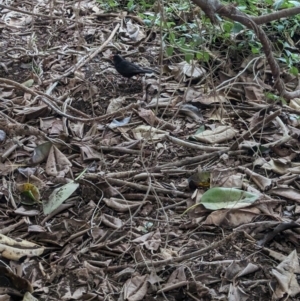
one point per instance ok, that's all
(127, 229)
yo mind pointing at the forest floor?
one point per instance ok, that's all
(141, 152)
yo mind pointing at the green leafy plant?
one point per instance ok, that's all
(108, 4)
(187, 35)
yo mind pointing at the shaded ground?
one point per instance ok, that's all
(126, 233)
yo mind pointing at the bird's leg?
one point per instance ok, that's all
(128, 79)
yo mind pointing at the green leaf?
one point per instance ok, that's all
(29, 83)
(203, 56)
(295, 3)
(170, 50)
(227, 26)
(147, 22)
(40, 153)
(30, 194)
(200, 130)
(255, 50)
(278, 4)
(172, 37)
(58, 196)
(222, 198)
(294, 71)
(188, 57)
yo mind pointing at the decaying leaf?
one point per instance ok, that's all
(285, 275)
(15, 249)
(135, 288)
(57, 164)
(41, 152)
(218, 135)
(122, 205)
(148, 133)
(151, 240)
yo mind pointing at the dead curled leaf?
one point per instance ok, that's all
(135, 288)
(148, 133)
(151, 240)
(285, 275)
(218, 135)
(184, 71)
(15, 249)
(57, 164)
(111, 221)
(122, 205)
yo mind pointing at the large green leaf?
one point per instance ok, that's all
(58, 196)
(220, 198)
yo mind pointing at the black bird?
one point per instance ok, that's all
(128, 69)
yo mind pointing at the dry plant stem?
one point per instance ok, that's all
(120, 112)
(12, 227)
(106, 243)
(195, 146)
(121, 174)
(256, 128)
(247, 108)
(51, 88)
(216, 245)
(172, 206)
(228, 81)
(96, 209)
(158, 201)
(145, 188)
(161, 54)
(123, 150)
(64, 120)
(118, 175)
(218, 262)
(10, 195)
(85, 59)
(279, 142)
(9, 151)
(145, 175)
(155, 220)
(131, 173)
(254, 283)
(80, 233)
(173, 286)
(188, 161)
(139, 196)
